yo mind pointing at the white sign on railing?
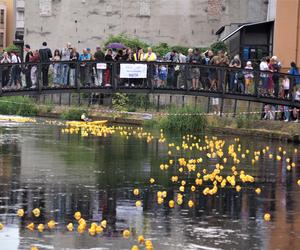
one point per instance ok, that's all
(101, 66)
(133, 71)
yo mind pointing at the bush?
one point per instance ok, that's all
(181, 120)
(127, 41)
(120, 102)
(72, 114)
(217, 46)
(23, 106)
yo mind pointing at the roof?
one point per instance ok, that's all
(243, 26)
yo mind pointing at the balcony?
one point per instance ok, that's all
(20, 4)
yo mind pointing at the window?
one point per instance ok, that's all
(1, 39)
(2, 16)
(145, 8)
(45, 7)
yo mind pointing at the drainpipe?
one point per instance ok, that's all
(298, 27)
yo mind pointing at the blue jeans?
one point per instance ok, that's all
(64, 74)
(57, 73)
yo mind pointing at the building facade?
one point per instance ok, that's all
(87, 23)
(287, 32)
(3, 28)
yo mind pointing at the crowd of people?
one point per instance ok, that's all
(67, 67)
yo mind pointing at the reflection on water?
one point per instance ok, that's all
(61, 174)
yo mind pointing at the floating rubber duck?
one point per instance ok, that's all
(171, 204)
(41, 228)
(152, 180)
(20, 212)
(267, 217)
(136, 191)
(30, 226)
(70, 227)
(190, 203)
(34, 248)
(126, 233)
(135, 247)
(103, 223)
(141, 239)
(51, 224)
(77, 216)
(36, 212)
(99, 229)
(1, 226)
(258, 190)
(138, 203)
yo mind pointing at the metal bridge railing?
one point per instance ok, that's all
(148, 76)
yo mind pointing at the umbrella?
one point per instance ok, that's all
(116, 46)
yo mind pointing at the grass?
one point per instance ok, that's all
(181, 120)
(23, 106)
(72, 114)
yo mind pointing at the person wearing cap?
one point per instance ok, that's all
(99, 58)
(248, 76)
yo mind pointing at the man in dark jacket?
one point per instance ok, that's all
(45, 57)
(27, 68)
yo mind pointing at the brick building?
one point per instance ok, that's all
(177, 22)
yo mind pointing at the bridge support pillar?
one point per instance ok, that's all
(183, 100)
(158, 103)
(248, 109)
(222, 107)
(208, 105)
(234, 108)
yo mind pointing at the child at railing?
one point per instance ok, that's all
(248, 77)
(162, 75)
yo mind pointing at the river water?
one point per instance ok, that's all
(63, 173)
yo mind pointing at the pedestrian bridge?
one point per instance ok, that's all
(208, 81)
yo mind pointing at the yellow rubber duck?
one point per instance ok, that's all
(103, 223)
(258, 190)
(267, 217)
(152, 180)
(30, 226)
(298, 182)
(36, 212)
(136, 191)
(41, 228)
(126, 233)
(171, 204)
(135, 247)
(51, 224)
(141, 239)
(190, 203)
(20, 212)
(77, 216)
(138, 203)
(99, 229)
(70, 227)
(1, 226)
(81, 228)
(34, 248)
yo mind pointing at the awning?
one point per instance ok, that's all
(244, 26)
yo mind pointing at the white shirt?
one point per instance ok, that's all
(297, 95)
(264, 67)
(286, 83)
(15, 59)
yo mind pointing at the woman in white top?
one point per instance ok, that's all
(15, 71)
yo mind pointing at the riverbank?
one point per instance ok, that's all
(239, 126)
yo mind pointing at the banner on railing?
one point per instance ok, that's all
(101, 66)
(133, 71)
